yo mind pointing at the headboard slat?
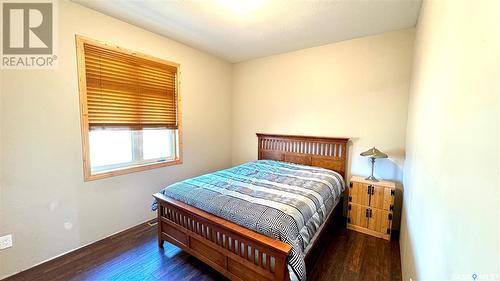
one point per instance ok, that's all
(325, 152)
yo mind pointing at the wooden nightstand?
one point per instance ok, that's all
(370, 207)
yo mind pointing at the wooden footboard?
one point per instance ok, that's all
(236, 252)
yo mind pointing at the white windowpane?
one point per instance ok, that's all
(119, 149)
(158, 144)
(110, 147)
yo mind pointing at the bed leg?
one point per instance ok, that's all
(160, 214)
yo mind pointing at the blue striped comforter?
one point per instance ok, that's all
(285, 201)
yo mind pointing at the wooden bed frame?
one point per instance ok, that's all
(235, 251)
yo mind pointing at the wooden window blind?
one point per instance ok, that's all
(128, 91)
(123, 89)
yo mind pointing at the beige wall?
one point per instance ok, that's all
(357, 89)
(42, 184)
(451, 220)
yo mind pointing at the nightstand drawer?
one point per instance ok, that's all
(358, 215)
(359, 193)
(379, 220)
(370, 221)
(381, 197)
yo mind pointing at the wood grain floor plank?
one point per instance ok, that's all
(134, 255)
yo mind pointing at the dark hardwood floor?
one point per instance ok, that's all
(134, 255)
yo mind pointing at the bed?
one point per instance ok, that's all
(259, 220)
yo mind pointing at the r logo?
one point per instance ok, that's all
(27, 28)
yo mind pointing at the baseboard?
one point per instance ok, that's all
(151, 223)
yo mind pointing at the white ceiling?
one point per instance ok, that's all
(258, 28)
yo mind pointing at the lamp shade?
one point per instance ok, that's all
(374, 153)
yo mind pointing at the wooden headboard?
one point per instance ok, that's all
(325, 152)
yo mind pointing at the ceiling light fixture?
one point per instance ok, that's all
(241, 6)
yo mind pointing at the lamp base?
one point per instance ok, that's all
(371, 178)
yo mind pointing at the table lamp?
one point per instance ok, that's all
(373, 153)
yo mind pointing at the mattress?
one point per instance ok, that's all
(284, 201)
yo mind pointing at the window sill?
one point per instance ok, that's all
(127, 170)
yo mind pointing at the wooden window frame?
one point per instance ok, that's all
(88, 176)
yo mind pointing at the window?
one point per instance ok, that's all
(129, 106)
(115, 149)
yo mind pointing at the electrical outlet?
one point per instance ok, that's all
(5, 241)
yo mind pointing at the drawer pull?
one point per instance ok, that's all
(371, 190)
